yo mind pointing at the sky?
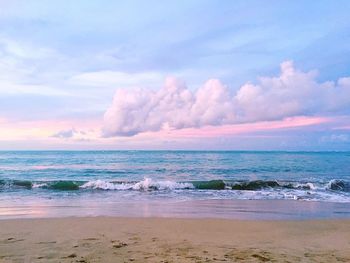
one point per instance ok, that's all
(192, 75)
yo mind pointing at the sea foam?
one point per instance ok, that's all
(145, 185)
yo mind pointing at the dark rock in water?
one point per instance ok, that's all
(64, 185)
(255, 185)
(288, 186)
(25, 184)
(339, 185)
(213, 185)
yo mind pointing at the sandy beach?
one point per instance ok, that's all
(113, 239)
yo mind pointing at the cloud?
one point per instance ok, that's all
(67, 134)
(85, 133)
(21, 72)
(175, 106)
(245, 128)
(64, 134)
(10, 88)
(25, 51)
(341, 138)
(111, 78)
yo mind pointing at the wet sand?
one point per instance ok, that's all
(113, 239)
(216, 208)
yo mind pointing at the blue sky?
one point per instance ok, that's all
(61, 63)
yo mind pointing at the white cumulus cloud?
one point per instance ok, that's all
(175, 106)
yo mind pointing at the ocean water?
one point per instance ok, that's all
(175, 183)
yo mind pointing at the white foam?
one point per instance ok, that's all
(39, 185)
(311, 186)
(144, 185)
(104, 185)
(148, 184)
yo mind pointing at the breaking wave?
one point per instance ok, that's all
(149, 184)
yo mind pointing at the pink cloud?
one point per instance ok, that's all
(293, 93)
(235, 129)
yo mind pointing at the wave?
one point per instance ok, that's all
(152, 185)
(339, 185)
(146, 184)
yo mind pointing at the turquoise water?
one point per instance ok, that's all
(105, 179)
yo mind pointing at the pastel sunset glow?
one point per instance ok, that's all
(201, 75)
(174, 131)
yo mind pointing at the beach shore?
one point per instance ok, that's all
(116, 239)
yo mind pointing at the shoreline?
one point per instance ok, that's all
(122, 239)
(279, 210)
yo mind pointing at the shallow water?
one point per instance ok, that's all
(105, 181)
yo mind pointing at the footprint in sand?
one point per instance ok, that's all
(11, 240)
(73, 255)
(119, 245)
(47, 242)
(90, 239)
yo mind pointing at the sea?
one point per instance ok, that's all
(197, 184)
